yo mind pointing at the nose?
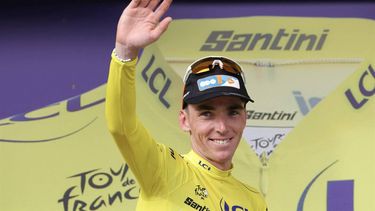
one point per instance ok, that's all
(221, 125)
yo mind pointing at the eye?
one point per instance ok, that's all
(234, 112)
(205, 114)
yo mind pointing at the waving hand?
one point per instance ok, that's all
(140, 25)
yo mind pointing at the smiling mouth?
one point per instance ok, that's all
(221, 141)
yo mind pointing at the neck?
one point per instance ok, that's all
(224, 166)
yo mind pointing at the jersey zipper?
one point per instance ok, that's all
(264, 174)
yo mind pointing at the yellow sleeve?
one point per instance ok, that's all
(143, 155)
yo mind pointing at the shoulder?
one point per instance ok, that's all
(249, 188)
(254, 195)
(257, 196)
(251, 191)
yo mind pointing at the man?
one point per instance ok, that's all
(213, 113)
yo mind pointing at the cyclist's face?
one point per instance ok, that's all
(215, 127)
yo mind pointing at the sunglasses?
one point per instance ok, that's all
(208, 63)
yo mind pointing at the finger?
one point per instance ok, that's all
(134, 3)
(144, 3)
(162, 27)
(162, 9)
(153, 4)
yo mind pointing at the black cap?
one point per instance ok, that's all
(214, 83)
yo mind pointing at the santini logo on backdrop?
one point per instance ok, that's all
(281, 40)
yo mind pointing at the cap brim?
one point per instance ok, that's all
(208, 96)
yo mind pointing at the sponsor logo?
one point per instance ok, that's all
(190, 202)
(94, 189)
(264, 140)
(173, 154)
(50, 113)
(218, 81)
(281, 40)
(305, 104)
(157, 80)
(276, 115)
(224, 206)
(204, 165)
(266, 144)
(340, 193)
(201, 192)
(359, 96)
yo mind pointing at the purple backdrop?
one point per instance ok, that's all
(51, 53)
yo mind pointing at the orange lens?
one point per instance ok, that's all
(229, 65)
(197, 67)
(205, 64)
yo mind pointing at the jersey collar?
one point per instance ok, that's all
(204, 165)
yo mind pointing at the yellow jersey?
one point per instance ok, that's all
(168, 180)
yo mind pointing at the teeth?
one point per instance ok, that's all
(220, 141)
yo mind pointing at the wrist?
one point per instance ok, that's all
(119, 58)
(125, 53)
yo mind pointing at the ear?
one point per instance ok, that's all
(184, 120)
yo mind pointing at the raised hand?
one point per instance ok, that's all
(140, 25)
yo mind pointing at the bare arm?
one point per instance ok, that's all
(140, 25)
